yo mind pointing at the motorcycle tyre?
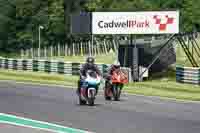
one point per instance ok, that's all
(91, 100)
(82, 102)
(108, 98)
(116, 93)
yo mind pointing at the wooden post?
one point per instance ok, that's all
(65, 52)
(58, 49)
(102, 47)
(45, 52)
(38, 52)
(81, 48)
(89, 48)
(51, 49)
(73, 49)
(95, 50)
(114, 43)
(104, 43)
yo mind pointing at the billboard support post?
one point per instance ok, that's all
(134, 61)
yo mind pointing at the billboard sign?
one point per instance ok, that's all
(81, 23)
(154, 22)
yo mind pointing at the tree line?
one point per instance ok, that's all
(20, 18)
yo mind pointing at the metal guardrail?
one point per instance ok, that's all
(51, 66)
(188, 75)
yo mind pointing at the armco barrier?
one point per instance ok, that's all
(188, 75)
(67, 68)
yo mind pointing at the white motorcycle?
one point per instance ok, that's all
(89, 88)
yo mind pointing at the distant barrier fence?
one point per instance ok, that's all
(58, 67)
(188, 75)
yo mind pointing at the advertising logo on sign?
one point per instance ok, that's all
(163, 25)
(135, 22)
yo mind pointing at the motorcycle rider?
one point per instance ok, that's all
(89, 65)
(115, 66)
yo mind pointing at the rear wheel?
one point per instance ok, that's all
(82, 102)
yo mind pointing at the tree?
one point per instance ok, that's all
(7, 25)
(20, 18)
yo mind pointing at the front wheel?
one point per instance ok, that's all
(91, 98)
(116, 92)
(91, 102)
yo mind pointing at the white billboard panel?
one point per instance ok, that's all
(155, 22)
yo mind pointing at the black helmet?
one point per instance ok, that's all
(90, 60)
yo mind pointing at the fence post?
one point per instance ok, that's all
(22, 54)
(51, 49)
(32, 55)
(90, 52)
(104, 43)
(73, 49)
(91, 47)
(58, 49)
(45, 52)
(66, 50)
(115, 47)
(95, 50)
(38, 52)
(81, 48)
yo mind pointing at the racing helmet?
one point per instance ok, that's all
(90, 60)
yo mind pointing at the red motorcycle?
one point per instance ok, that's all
(114, 88)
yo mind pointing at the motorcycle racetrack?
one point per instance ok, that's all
(59, 106)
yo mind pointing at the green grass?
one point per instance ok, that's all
(169, 89)
(9, 55)
(163, 87)
(102, 59)
(106, 59)
(38, 77)
(164, 84)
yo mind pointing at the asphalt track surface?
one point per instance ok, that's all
(133, 114)
(7, 128)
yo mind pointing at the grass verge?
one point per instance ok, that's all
(104, 58)
(38, 77)
(164, 87)
(169, 89)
